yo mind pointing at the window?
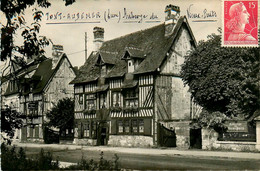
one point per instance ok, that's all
(116, 99)
(130, 66)
(91, 101)
(86, 130)
(33, 108)
(131, 99)
(12, 85)
(120, 127)
(102, 100)
(135, 127)
(132, 126)
(127, 126)
(81, 99)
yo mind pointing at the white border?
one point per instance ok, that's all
(223, 21)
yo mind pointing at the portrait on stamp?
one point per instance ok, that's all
(240, 23)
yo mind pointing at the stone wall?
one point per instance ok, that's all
(66, 141)
(258, 133)
(210, 142)
(236, 146)
(130, 141)
(180, 101)
(35, 140)
(209, 137)
(85, 141)
(182, 131)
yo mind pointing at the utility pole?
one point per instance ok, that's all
(86, 46)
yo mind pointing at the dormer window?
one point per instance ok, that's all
(105, 61)
(131, 67)
(12, 85)
(133, 57)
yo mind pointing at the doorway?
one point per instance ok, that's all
(103, 136)
(195, 138)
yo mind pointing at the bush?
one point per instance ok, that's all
(102, 164)
(12, 160)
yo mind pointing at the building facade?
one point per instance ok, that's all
(39, 86)
(129, 91)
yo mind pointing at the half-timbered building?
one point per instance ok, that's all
(129, 91)
(38, 87)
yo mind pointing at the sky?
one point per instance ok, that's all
(67, 25)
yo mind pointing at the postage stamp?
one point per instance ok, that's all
(240, 23)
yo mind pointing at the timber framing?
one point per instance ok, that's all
(141, 86)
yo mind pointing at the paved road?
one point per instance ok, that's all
(153, 161)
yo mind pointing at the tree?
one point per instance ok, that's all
(15, 55)
(62, 115)
(10, 120)
(221, 79)
(33, 44)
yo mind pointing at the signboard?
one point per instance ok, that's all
(237, 126)
(32, 105)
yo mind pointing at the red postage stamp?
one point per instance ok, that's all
(240, 23)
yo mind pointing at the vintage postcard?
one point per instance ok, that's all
(131, 84)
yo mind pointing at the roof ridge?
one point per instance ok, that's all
(132, 33)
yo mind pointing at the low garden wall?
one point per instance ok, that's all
(130, 141)
(210, 142)
(85, 141)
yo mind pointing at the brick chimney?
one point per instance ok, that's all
(98, 37)
(172, 14)
(56, 53)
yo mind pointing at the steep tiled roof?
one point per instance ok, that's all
(108, 58)
(151, 44)
(40, 73)
(135, 53)
(89, 71)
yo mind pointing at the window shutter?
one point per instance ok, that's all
(79, 130)
(31, 132)
(147, 127)
(94, 130)
(113, 126)
(37, 132)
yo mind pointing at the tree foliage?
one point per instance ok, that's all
(223, 79)
(10, 120)
(213, 120)
(33, 44)
(62, 115)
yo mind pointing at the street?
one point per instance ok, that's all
(152, 162)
